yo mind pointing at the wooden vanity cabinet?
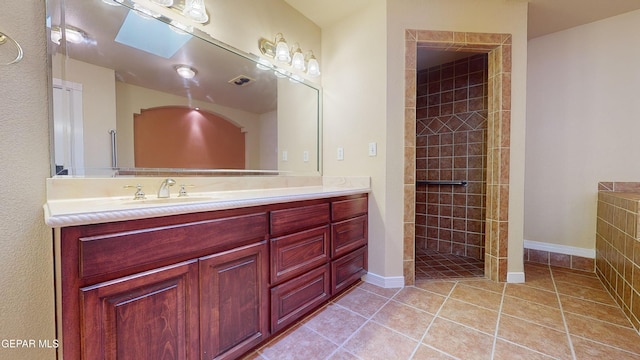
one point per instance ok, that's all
(210, 285)
(189, 286)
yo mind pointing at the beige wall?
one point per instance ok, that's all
(354, 105)
(26, 261)
(297, 121)
(365, 103)
(582, 125)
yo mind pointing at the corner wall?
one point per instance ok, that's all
(26, 259)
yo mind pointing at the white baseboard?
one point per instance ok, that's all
(515, 277)
(384, 282)
(560, 249)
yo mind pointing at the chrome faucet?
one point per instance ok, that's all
(163, 192)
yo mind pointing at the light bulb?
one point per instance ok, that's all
(297, 61)
(282, 50)
(195, 10)
(313, 68)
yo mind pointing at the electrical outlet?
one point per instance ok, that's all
(340, 154)
(305, 156)
(373, 149)
(285, 155)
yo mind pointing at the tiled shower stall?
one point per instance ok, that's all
(451, 145)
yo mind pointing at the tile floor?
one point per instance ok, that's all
(434, 265)
(556, 314)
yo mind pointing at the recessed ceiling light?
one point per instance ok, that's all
(185, 71)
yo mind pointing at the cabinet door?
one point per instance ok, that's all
(234, 301)
(152, 315)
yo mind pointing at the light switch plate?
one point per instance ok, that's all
(305, 156)
(340, 154)
(373, 149)
(285, 155)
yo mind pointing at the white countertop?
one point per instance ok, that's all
(83, 211)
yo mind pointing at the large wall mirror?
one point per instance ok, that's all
(141, 93)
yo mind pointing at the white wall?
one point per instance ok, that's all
(26, 261)
(583, 123)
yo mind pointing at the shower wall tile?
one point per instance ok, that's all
(497, 48)
(451, 143)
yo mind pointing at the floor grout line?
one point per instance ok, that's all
(564, 320)
(495, 333)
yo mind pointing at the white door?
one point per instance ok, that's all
(67, 126)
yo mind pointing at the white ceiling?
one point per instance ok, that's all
(545, 16)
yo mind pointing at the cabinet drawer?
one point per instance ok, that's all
(345, 209)
(118, 251)
(295, 298)
(295, 254)
(348, 269)
(288, 221)
(348, 235)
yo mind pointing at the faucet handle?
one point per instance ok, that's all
(139, 195)
(183, 191)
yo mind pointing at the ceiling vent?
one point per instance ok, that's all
(241, 80)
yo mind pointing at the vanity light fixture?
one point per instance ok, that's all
(313, 67)
(72, 35)
(282, 50)
(185, 71)
(297, 59)
(279, 50)
(195, 10)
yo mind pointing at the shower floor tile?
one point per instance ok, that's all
(431, 265)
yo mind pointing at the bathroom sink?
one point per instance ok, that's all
(173, 200)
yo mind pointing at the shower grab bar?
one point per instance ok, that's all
(430, 182)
